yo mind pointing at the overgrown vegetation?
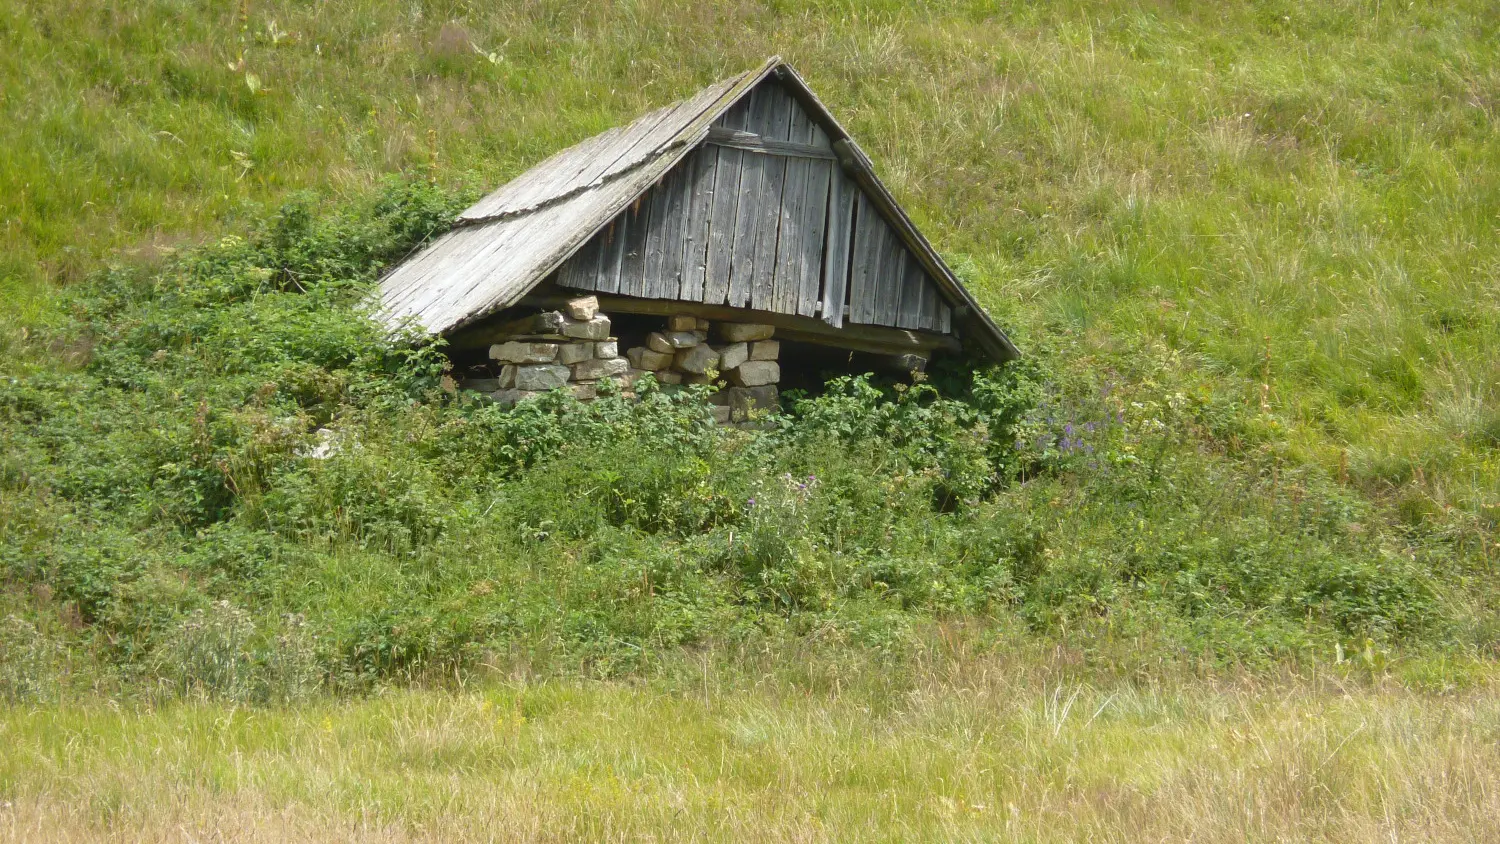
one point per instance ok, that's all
(246, 490)
(1216, 562)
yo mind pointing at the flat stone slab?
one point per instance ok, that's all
(596, 328)
(518, 352)
(575, 353)
(765, 350)
(593, 370)
(644, 358)
(755, 373)
(740, 332)
(733, 355)
(697, 360)
(542, 377)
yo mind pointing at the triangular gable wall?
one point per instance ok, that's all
(762, 216)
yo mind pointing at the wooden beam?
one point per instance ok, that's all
(860, 338)
(751, 142)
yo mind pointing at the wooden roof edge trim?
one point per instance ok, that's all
(672, 153)
(991, 336)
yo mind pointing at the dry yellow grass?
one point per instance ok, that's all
(978, 751)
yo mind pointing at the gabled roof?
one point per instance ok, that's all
(513, 239)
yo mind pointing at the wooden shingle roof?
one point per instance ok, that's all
(511, 240)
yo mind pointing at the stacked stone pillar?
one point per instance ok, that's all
(574, 349)
(744, 355)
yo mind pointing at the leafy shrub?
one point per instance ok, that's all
(251, 492)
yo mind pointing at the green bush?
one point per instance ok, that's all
(251, 492)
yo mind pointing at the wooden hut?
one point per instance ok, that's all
(745, 214)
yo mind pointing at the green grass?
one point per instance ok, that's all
(1013, 746)
(1316, 181)
(1254, 246)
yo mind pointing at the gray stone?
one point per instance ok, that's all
(482, 385)
(748, 401)
(541, 377)
(584, 392)
(593, 329)
(682, 322)
(692, 378)
(722, 415)
(765, 350)
(583, 309)
(733, 355)
(696, 360)
(682, 339)
(703, 325)
(911, 363)
(575, 353)
(517, 352)
(659, 343)
(593, 370)
(507, 377)
(606, 349)
(740, 332)
(644, 358)
(668, 376)
(755, 373)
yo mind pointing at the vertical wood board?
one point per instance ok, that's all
(785, 282)
(776, 125)
(705, 162)
(841, 193)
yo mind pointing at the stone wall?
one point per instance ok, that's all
(574, 348)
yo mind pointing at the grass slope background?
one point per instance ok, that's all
(1250, 253)
(1313, 180)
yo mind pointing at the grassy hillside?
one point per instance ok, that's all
(1312, 181)
(1254, 445)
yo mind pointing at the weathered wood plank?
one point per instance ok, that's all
(785, 282)
(721, 220)
(871, 338)
(751, 196)
(863, 260)
(815, 224)
(632, 263)
(913, 284)
(751, 142)
(661, 200)
(945, 318)
(838, 240)
(614, 250)
(582, 271)
(695, 240)
(888, 292)
(777, 126)
(678, 186)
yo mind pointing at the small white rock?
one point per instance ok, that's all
(583, 309)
